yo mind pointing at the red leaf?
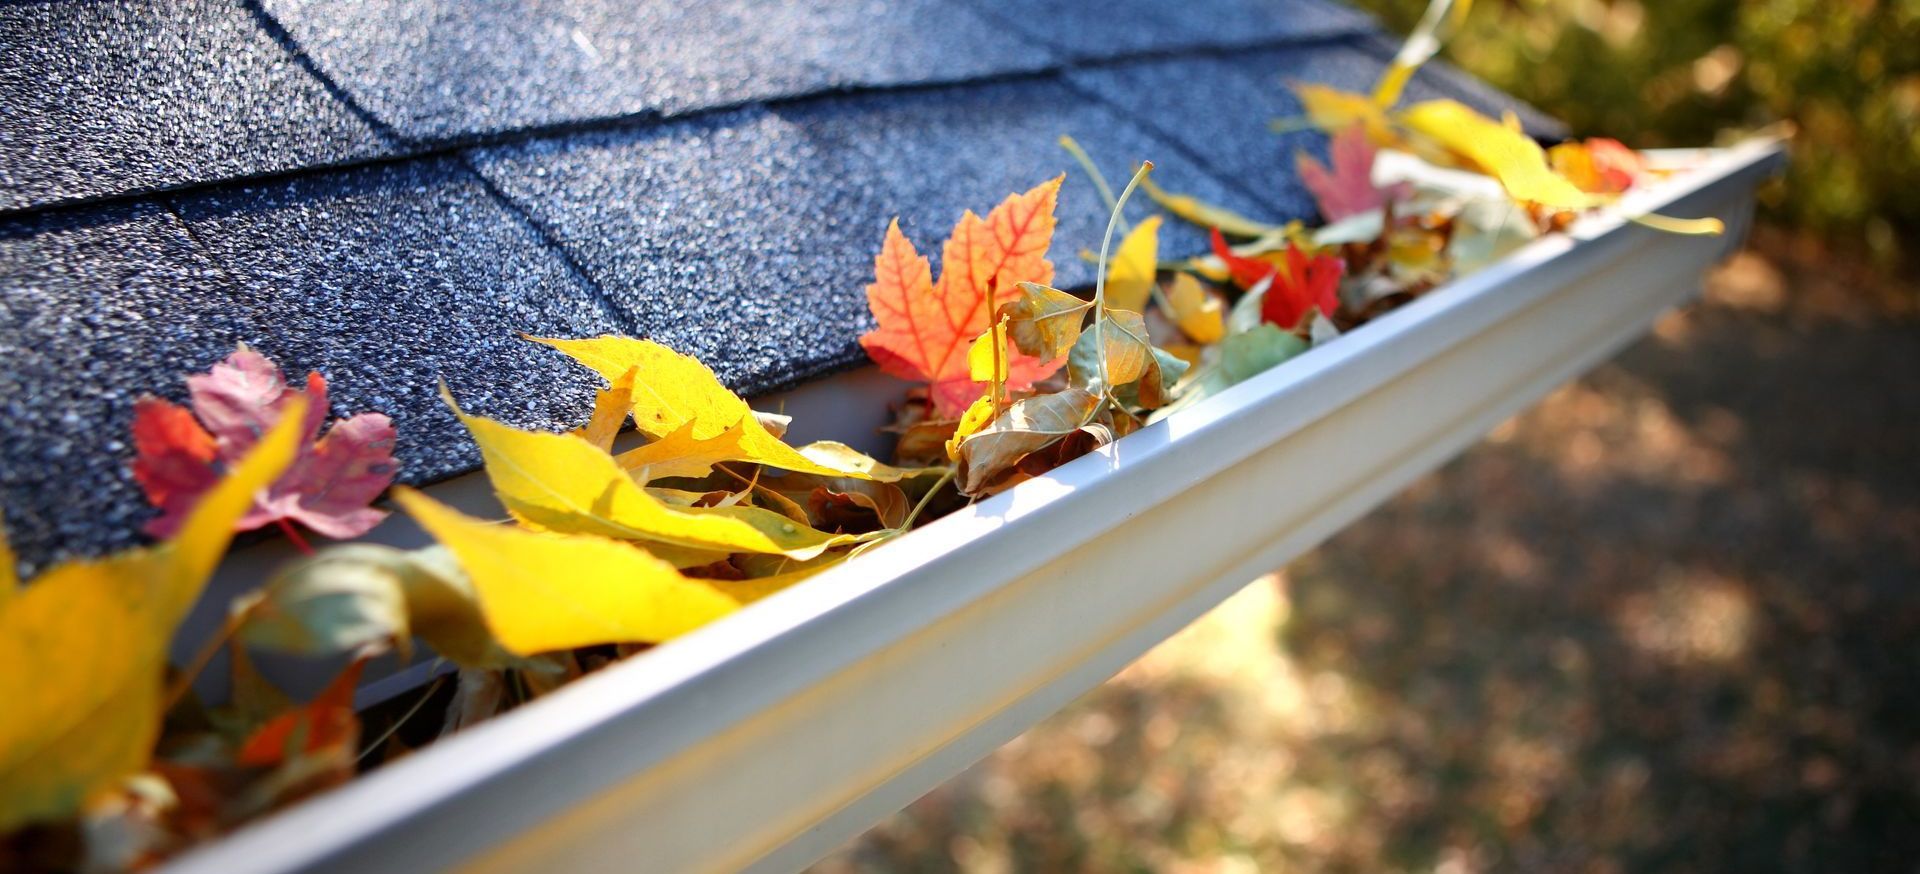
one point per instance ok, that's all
(924, 328)
(1308, 283)
(1348, 189)
(327, 722)
(174, 462)
(328, 487)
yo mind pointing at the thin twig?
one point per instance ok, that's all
(184, 681)
(404, 717)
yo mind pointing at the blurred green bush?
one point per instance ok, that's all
(1652, 73)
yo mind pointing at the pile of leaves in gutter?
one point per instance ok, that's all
(108, 761)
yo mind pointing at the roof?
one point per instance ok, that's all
(390, 191)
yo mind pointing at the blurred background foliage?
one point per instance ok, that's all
(1654, 73)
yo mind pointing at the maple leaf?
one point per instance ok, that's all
(1296, 285)
(1347, 189)
(1598, 165)
(182, 454)
(924, 328)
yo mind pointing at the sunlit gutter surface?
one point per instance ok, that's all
(764, 740)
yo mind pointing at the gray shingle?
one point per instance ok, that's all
(748, 238)
(120, 96)
(438, 71)
(1113, 28)
(94, 308)
(1219, 108)
(384, 279)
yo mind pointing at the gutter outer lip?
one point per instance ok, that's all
(770, 651)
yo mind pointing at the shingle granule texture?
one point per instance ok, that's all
(385, 280)
(1115, 28)
(437, 71)
(747, 239)
(115, 97)
(1241, 144)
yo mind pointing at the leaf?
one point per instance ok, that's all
(923, 327)
(9, 564)
(988, 356)
(559, 482)
(1027, 426)
(326, 724)
(1130, 274)
(1346, 190)
(1205, 214)
(1044, 322)
(1507, 155)
(680, 454)
(1198, 312)
(1244, 356)
(1420, 46)
(328, 487)
(1598, 165)
(339, 600)
(1332, 109)
(1308, 284)
(671, 390)
(542, 591)
(610, 408)
(978, 415)
(85, 646)
(841, 457)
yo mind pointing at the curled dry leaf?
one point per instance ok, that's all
(1045, 322)
(1027, 426)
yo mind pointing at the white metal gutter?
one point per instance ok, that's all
(766, 739)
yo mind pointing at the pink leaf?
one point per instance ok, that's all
(1346, 190)
(328, 487)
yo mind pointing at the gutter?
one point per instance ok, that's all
(763, 741)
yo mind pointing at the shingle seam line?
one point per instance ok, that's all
(411, 150)
(624, 320)
(285, 39)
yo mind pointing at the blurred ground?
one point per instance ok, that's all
(1669, 620)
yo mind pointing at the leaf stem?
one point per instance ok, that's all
(1100, 278)
(926, 499)
(404, 718)
(177, 689)
(293, 536)
(1093, 172)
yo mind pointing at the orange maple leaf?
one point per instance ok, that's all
(925, 328)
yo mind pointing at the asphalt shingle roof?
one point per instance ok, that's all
(390, 191)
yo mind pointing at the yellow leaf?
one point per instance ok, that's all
(1205, 214)
(610, 408)
(680, 454)
(976, 417)
(1332, 109)
(9, 579)
(671, 390)
(559, 482)
(840, 456)
(1199, 314)
(1507, 155)
(1130, 273)
(987, 358)
(542, 592)
(82, 650)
